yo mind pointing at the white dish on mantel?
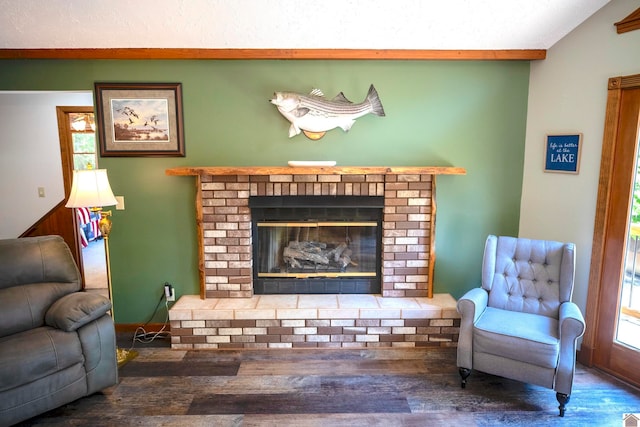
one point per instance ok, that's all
(311, 163)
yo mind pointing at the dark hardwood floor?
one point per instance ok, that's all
(386, 387)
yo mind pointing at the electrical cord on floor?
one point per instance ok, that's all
(142, 336)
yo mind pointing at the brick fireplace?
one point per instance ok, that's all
(226, 265)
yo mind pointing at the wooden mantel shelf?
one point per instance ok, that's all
(333, 170)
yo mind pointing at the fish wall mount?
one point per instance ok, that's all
(314, 115)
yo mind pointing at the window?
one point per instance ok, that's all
(83, 136)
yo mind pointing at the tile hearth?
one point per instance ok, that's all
(301, 321)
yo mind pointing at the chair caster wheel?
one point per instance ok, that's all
(563, 399)
(464, 373)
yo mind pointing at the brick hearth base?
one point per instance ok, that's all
(299, 321)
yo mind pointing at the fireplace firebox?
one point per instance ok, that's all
(316, 244)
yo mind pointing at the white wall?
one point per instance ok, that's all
(567, 93)
(30, 155)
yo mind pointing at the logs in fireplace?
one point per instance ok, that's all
(318, 256)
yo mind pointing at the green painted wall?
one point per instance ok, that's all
(469, 114)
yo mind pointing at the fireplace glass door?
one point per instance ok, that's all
(317, 250)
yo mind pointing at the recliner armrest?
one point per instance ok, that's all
(571, 327)
(75, 310)
(570, 321)
(470, 307)
(473, 303)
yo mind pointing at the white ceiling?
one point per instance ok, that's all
(281, 24)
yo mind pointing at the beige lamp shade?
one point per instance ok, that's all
(90, 188)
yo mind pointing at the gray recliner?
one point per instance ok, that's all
(57, 343)
(521, 323)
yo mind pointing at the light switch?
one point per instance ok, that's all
(40, 191)
(120, 204)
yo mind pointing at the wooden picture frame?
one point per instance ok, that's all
(140, 119)
(562, 153)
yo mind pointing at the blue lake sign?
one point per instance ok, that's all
(562, 153)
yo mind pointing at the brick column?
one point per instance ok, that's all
(226, 225)
(407, 226)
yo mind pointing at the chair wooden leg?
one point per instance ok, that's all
(563, 399)
(464, 373)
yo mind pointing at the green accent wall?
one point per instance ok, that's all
(469, 114)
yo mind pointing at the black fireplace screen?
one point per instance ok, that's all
(316, 244)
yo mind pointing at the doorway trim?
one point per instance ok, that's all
(616, 86)
(66, 154)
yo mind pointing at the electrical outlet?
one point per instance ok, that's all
(169, 292)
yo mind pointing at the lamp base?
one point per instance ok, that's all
(123, 356)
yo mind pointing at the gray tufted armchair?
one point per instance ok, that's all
(521, 324)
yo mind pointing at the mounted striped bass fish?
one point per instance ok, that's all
(314, 114)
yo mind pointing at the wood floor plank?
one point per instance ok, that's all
(404, 383)
(168, 369)
(299, 403)
(255, 385)
(360, 420)
(333, 367)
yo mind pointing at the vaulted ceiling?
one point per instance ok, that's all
(291, 24)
